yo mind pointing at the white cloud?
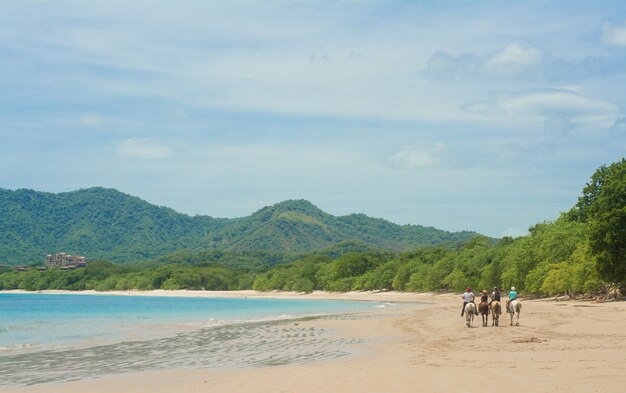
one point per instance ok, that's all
(445, 66)
(549, 105)
(143, 148)
(614, 35)
(412, 157)
(515, 58)
(517, 61)
(619, 126)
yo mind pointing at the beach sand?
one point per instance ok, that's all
(572, 346)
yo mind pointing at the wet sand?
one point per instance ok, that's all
(571, 346)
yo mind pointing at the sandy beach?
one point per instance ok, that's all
(571, 346)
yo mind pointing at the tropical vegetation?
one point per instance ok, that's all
(106, 224)
(583, 251)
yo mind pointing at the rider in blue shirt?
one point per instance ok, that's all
(512, 296)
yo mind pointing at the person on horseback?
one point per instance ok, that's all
(484, 297)
(496, 309)
(495, 295)
(512, 296)
(468, 297)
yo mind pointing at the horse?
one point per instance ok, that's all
(514, 307)
(470, 311)
(483, 308)
(496, 310)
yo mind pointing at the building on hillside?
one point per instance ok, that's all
(62, 259)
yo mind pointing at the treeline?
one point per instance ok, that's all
(583, 251)
(107, 224)
(555, 258)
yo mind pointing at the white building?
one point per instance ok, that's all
(62, 259)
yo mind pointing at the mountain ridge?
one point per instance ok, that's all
(104, 223)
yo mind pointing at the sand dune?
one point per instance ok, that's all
(569, 346)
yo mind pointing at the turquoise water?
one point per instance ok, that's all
(55, 338)
(41, 321)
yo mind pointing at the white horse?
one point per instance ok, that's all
(470, 311)
(514, 307)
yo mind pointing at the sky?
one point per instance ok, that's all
(488, 116)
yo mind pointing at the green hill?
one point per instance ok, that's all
(104, 223)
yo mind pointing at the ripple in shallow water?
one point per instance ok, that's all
(244, 345)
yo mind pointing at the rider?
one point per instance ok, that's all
(495, 295)
(512, 296)
(484, 297)
(468, 297)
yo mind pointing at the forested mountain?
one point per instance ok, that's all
(580, 252)
(106, 224)
(299, 226)
(96, 223)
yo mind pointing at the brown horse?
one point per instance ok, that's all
(483, 309)
(496, 310)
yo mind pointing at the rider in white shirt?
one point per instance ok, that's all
(468, 297)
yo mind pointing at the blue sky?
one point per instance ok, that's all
(488, 116)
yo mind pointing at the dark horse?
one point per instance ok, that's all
(483, 309)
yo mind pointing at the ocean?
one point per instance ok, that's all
(47, 338)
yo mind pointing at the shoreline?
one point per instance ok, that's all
(572, 346)
(385, 296)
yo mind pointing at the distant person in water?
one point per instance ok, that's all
(468, 297)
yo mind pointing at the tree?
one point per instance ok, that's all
(603, 206)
